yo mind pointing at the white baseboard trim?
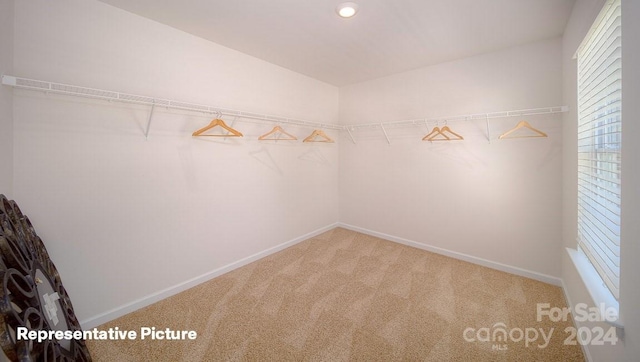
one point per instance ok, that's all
(460, 256)
(585, 347)
(165, 293)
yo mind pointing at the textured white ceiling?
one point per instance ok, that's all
(384, 38)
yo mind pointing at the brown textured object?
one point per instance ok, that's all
(32, 294)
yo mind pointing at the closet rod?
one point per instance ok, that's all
(468, 117)
(130, 98)
(73, 90)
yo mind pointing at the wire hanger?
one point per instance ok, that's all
(215, 123)
(318, 133)
(277, 133)
(523, 124)
(445, 132)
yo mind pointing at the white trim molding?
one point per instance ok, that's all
(460, 256)
(594, 284)
(175, 289)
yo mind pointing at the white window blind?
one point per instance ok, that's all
(599, 144)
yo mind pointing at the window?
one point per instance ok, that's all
(599, 144)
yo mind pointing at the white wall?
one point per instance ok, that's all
(124, 218)
(499, 201)
(584, 12)
(6, 99)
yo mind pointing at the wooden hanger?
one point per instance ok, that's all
(455, 135)
(276, 134)
(217, 122)
(523, 124)
(437, 131)
(318, 133)
(434, 133)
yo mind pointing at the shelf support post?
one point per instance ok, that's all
(385, 133)
(486, 118)
(350, 135)
(146, 134)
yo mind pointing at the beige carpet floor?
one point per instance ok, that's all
(346, 296)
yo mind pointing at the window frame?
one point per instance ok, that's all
(603, 141)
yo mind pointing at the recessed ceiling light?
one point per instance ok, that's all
(347, 10)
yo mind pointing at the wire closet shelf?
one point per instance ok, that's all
(79, 91)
